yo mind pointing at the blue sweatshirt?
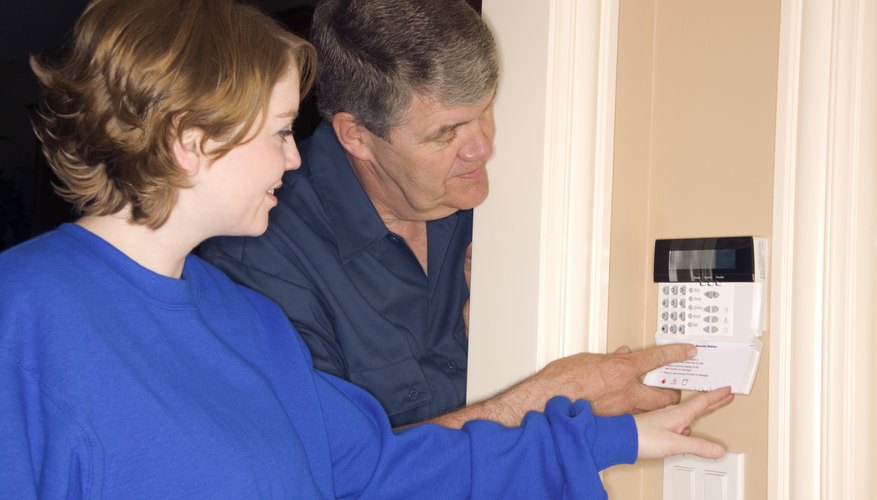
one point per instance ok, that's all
(116, 382)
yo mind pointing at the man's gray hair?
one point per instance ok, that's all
(374, 56)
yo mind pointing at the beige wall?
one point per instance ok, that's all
(694, 156)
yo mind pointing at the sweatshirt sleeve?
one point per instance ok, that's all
(43, 452)
(555, 454)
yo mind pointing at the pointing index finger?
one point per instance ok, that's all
(658, 356)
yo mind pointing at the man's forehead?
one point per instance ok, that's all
(428, 113)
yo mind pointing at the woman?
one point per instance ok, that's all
(132, 369)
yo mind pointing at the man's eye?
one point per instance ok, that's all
(448, 138)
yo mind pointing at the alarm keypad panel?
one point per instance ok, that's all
(688, 309)
(711, 294)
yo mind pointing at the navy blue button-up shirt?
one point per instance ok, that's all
(355, 291)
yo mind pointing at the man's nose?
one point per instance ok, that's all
(479, 147)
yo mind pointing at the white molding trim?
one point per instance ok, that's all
(820, 396)
(541, 239)
(577, 182)
(604, 159)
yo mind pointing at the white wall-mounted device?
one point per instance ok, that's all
(711, 294)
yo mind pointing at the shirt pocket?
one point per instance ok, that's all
(399, 387)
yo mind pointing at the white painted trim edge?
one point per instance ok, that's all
(604, 159)
(577, 182)
(782, 253)
(538, 301)
(819, 397)
(555, 234)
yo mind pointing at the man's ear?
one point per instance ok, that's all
(354, 138)
(187, 150)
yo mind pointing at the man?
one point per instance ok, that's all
(367, 248)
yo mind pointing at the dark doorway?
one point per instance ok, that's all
(28, 203)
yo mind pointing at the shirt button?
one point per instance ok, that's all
(452, 365)
(412, 395)
(394, 238)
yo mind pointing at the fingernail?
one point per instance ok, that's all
(691, 351)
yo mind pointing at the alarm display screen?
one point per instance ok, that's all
(724, 259)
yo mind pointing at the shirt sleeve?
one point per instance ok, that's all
(313, 319)
(43, 452)
(555, 454)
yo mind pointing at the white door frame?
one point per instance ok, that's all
(820, 384)
(558, 90)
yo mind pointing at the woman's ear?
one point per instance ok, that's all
(354, 138)
(187, 150)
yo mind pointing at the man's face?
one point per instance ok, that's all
(433, 162)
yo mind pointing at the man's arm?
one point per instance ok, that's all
(611, 382)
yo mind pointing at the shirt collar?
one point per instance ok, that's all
(356, 223)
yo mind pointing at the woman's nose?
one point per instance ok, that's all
(293, 158)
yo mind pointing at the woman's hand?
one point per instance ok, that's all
(665, 432)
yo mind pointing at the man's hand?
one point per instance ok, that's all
(613, 382)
